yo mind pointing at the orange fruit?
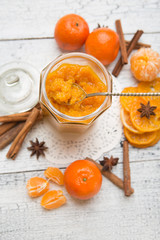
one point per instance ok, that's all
(55, 175)
(126, 120)
(103, 43)
(82, 179)
(53, 199)
(37, 186)
(71, 32)
(145, 64)
(144, 124)
(128, 101)
(140, 139)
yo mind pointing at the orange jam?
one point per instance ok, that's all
(60, 91)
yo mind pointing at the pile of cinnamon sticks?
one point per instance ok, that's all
(15, 127)
(126, 47)
(125, 185)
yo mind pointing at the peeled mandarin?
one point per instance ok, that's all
(53, 199)
(37, 186)
(55, 175)
(145, 64)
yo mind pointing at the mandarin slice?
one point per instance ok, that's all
(144, 124)
(55, 175)
(140, 139)
(153, 86)
(53, 199)
(37, 186)
(126, 120)
(145, 64)
(156, 140)
(128, 101)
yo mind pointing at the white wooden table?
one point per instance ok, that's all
(26, 33)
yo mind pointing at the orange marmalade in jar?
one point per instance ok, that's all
(59, 89)
(56, 91)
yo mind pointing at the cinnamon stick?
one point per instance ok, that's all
(16, 145)
(138, 45)
(131, 46)
(9, 136)
(6, 126)
(17, 117)
(111, 176)
(126, 170)
(121, 41)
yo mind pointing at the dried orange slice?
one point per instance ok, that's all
(126, 120)
(140, 139)
(37, 186)
(55, 175)
(53, 199)
(153, 86)
(156, 140)
(145, 64)
(144, 124)
(128, 101)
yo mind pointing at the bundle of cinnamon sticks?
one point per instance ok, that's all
(15, 128)
(126, 47)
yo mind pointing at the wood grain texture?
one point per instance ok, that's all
(37, 19)
(109, 215)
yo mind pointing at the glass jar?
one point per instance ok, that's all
(63, 121)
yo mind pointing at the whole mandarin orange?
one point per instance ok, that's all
(103, 43)
(71, 32)
(82, 179)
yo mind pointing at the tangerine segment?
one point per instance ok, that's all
(126, 120)
(144, 124)
(145, 64)
(128, 101)
(140, 139)
(53, 199)
(55, 175)
(149, 144)
(37, 186)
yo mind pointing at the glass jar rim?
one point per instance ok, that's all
(70, 55)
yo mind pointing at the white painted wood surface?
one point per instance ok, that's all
(26, 31)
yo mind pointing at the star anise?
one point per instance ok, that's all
(37, 148)
(147, 110)
(108, 163)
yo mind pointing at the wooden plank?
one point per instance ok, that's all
(38, 19)
(108, 215)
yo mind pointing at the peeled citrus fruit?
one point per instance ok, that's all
(145, 64)
(128, 101)
(126, 120)
(55, 175)
(144, 124)
(37, 186)
(140, 139)
(53, 199)
(82, 179)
